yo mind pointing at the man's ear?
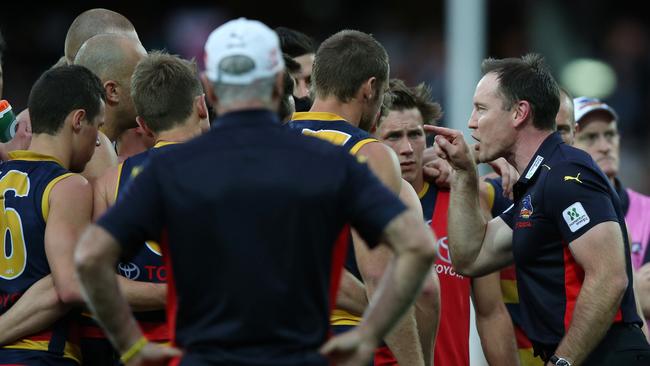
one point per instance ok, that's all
(207, 88)
(112, 95)
(143, 126)
(76, 118)
(522, 112)
(201, 107)
(368, 89)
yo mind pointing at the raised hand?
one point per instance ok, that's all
(451, 146)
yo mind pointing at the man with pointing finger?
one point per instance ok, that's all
(565, 231)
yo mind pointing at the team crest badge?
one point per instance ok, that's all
(526, 207)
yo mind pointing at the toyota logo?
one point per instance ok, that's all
(129, 270)
(443, 250)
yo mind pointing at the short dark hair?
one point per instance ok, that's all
(163, 88)
(400, 97)
(527, 78)
(291, 66)
(59, 91)
(345, 61)
(295, 43)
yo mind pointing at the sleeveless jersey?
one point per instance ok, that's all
(26, 181)
(452, 341)
(333, 128)
(146, 266)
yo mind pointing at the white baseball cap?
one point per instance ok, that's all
(243, 37)
(584, 105)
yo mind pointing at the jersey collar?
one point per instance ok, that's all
(28, 155)
(316, 116)
(535, 164)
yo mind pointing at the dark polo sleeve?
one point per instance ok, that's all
(578, 198)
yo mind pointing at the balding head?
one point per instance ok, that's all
(110, 56)
(93, 22)
(113, 58)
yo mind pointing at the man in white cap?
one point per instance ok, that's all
(253, 261)
(597, 134)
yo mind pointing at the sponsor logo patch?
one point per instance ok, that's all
(575, 216)
(526, 207)
(129, 270)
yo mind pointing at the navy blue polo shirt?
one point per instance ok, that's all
(249, 214)
(559, 197)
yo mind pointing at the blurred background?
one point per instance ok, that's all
(596, 48)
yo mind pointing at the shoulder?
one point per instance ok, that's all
(575, 170)
(70, 185)
(107, 182)
(376, 151)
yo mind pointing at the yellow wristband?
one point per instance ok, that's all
(134, 350)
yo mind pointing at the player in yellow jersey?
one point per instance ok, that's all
(44, 208)
(349, 79)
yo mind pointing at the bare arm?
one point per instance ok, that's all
(70, 212)
(477, 247)
(103, 158)
(37, 309)
(493, 322)
(600, 252)
(141, 296)
(414, 250)
(427, 305)
(642, 284)
(104, 191)
(95, 261)
(352, 295)
(403, 341)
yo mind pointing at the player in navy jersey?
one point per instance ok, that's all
(45, 208)
(262, 247)
(565, 231)
(347, 102)
(169, 99)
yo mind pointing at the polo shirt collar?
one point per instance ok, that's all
(541, 156)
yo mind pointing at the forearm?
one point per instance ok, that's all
(403, 341)
(38, 308)
(467, 224)
(143, 296)
(594, 312)
(639, 308)
(351, 296)
(497, 337)
(427, 315)
(101, 291)
(393, 299)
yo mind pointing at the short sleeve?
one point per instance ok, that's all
(508, 217)
(498, 203)
(138, 214)
(368, 204)
(578, 198)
